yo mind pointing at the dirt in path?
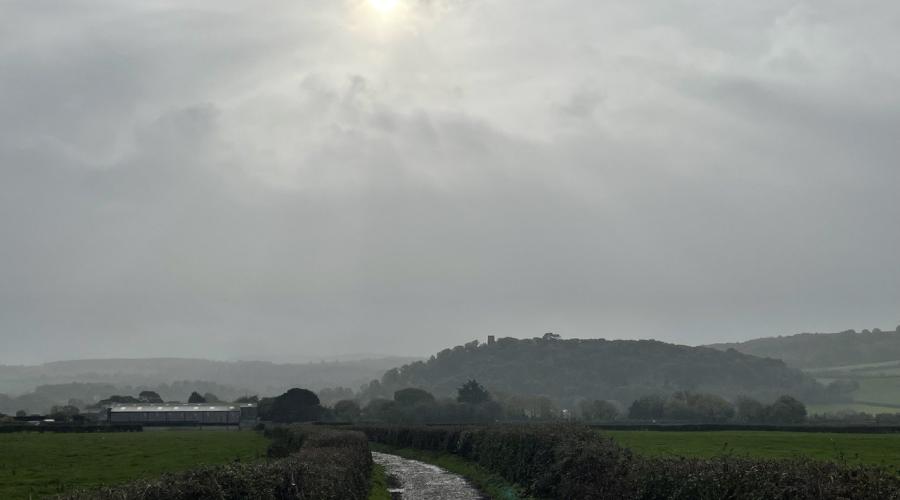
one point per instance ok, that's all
(421, 481)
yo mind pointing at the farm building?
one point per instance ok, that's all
(182, 414)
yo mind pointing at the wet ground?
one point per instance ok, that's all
(421, 481)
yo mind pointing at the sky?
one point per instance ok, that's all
(291, 179)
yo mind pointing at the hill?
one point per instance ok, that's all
(820, 350)
(38, 387)
(623, 370)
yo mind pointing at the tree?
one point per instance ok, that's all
(380, 409)
(63, 413)
(750, 410)
(211, 398)
(647, 408)
(697, 407)
(412, 396)
(196, 398)
(21, 413)
(329, 396)
(472, 393)
(296, 405)
(347, 410)
(150, 397)
(117, 400)
(598, 410)
(712, 408)
(78, 403)
(786, 410)
(264, 409)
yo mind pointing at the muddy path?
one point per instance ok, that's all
(421, 481)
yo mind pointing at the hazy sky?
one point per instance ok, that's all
(272, 179)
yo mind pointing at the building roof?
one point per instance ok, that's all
(178, 407)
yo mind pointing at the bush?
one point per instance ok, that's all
(284, 441)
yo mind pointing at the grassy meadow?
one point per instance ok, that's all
(33, 465)
(872, 409)
(878, 392)
(871, 449)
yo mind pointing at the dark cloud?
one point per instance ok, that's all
(211, 179)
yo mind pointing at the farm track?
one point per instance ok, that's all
(421, 481)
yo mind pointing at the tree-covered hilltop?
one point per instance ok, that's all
(820, 350)
(571, 370)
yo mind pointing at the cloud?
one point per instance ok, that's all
(226, 180)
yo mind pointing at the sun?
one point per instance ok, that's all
(384, 5)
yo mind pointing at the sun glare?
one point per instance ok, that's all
(384, 5)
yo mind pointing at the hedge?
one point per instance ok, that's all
(329, 465)
(573, 462)
(65, 428)
(682, 427)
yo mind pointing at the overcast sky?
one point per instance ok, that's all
(293, 178)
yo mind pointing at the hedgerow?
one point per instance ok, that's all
(325, 465)
(64, 428)
(573, 462)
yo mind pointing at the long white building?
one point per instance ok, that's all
(182, 414)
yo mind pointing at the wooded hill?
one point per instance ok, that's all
(623, 370)
(820, 350)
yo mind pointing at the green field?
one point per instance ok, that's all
(879, 386)
(872, 449)
(855, 407)
(34, 465)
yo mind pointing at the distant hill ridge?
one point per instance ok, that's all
(623, 370)
(820, 350)
(257, 376)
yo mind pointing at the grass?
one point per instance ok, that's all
(879, 384)
(879, 390)
(379, 490)
(857, 407)
(33, 465)
(489, 483)
(852, 368)
(871, 449)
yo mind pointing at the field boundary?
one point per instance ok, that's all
(571, 461)
(837, 429)
(10, 429)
